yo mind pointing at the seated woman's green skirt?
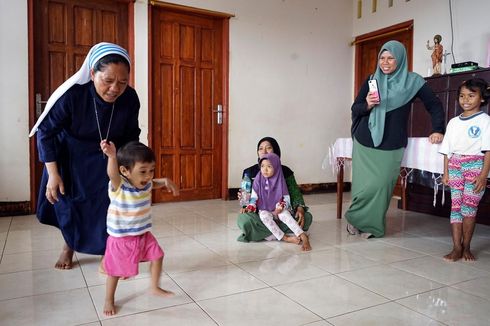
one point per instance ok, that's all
(254, 230)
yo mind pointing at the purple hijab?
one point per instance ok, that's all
(270, 191)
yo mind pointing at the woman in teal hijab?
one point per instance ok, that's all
(379, 132)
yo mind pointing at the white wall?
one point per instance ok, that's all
(471, 27)
(290, 78)
(290, 63)
(14, 143)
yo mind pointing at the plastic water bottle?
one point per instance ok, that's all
(245, 190)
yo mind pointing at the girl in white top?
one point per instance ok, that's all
(466, 149)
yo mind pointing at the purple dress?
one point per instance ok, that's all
(69, 135)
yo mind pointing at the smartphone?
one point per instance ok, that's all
(373, 86)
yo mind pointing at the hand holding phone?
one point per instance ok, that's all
(373, 87)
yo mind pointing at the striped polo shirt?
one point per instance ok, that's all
(129, 212)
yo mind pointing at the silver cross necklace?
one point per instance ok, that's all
(98, 123)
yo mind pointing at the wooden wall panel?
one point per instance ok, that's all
(207, 115)
(188, 111)
(167, 115)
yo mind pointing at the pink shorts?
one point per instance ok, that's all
(122, 254)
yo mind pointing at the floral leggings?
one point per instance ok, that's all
(464, 201)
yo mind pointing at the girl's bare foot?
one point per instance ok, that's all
(305, 242)
(291, 239)
(454, 255)
(65, 261)
(161, 292)
(468, 255)
(109, 308)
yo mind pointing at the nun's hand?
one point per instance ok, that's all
(54, 187)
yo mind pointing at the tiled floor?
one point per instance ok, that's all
(345, 280)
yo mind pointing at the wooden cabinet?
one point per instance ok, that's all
(420, 193)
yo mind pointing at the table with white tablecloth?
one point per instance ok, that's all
(419, 154)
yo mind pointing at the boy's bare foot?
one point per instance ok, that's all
(109, 308)
(454, 255)
(468, 255)
(291, 239)
(65, 261)
(305, 242)
(161, 292)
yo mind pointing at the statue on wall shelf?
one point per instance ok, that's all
(436, 54)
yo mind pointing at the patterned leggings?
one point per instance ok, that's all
(285, 216)
(464, 202)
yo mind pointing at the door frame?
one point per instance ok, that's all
(225, 24)
(33, 174)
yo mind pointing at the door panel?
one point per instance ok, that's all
(63, 31)
(187, 87)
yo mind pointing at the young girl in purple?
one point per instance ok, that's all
(270, 196)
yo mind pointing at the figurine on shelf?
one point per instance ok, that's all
(436, 54)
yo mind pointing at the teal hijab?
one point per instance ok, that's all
(395, 89)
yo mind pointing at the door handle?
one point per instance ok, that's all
(39, 103)
(219, 116)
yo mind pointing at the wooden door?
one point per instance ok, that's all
(187, 87)
(61, 34)
(368, 46)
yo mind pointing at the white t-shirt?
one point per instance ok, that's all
(467, 135)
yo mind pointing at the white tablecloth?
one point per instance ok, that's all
(419, 154)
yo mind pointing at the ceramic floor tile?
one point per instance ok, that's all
(26, 261)
(72, 307)
(439, 270)
(89, 264)
(5, 222)
(295, 249)
(380, 251)
(450, 306)
(257, 283)
(319, 323)
(421, 244)
(3, 240)
(25, 222)
(261, 307)
(388, 314)
(216, 282)
(132, 297)
(226, 245)
(389, 281)
(285, 269)
(185, 254)
(337, 260)
(21, 284)
(482, 260)
(33, 240)
(161, 229)
(480, 243)
(183, 315)
(330, 296)
(479, 287)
